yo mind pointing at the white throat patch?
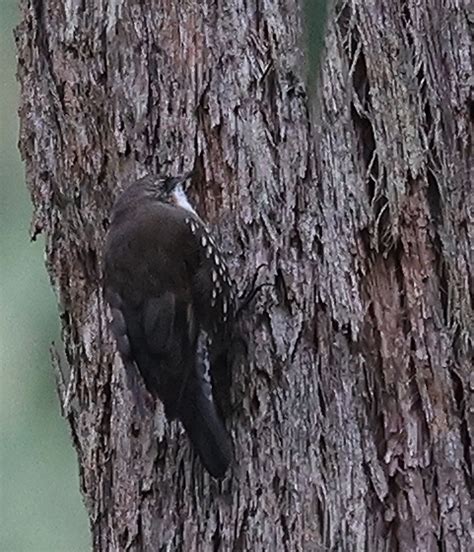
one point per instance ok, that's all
(181, 200)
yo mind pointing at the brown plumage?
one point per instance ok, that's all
(171, 301)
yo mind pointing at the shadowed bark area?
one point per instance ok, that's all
(351, 412)
(395, 196)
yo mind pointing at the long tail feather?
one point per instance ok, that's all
(207, 433)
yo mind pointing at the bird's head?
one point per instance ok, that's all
(168, 189)
(173, 189)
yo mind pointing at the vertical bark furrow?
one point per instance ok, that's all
(400, 202)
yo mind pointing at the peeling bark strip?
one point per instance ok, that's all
(352, 415)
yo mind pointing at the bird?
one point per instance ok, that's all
(171, 299)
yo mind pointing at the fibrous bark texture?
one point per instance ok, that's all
(352, 404)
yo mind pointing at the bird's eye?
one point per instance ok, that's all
(169, 184)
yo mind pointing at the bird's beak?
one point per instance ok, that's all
(187, 178)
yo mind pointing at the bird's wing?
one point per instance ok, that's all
(159, 291)
(154, 320)
(210, 281)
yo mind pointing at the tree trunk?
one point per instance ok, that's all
(352, 409)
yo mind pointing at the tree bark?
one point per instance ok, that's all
(352, 407)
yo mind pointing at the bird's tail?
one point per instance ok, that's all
(206, 430)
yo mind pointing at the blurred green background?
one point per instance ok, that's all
(41, 509)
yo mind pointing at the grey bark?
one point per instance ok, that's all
(352, 412)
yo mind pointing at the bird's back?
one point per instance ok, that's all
(158, 279)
